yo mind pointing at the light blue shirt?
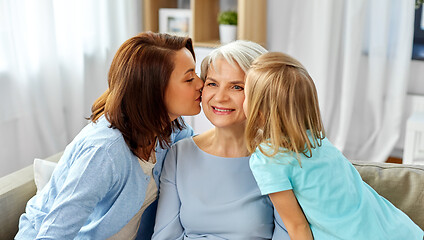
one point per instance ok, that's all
(96, 188)
(203, 196)
(334, 199)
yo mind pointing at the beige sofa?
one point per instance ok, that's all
(15, 190)
(403, 185)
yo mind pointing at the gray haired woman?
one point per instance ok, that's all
(207, 190)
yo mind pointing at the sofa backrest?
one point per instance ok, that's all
(15, 191)
(402, 185)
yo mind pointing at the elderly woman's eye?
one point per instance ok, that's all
(211, 84)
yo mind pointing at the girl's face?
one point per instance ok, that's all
(223, 94)
(182, 95)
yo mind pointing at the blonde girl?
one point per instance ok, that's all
(315, 189)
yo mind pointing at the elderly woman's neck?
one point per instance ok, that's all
(223, 142)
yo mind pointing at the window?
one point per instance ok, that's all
(418, 47)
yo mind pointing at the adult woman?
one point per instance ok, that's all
(108, 174)
(207, 188)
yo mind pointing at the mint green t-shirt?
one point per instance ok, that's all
(334, 199)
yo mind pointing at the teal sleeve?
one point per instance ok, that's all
(270, 174)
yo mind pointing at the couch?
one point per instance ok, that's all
(403, 185)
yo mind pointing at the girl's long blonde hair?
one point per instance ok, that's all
(282, 107)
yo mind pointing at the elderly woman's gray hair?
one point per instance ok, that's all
(240, 52)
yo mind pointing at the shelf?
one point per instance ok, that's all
(209, 44)
(252, 21)
(204, 27)
(151, 13)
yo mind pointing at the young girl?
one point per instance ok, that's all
(315, 189)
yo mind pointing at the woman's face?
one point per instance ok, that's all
(223, 94)
(182, 95)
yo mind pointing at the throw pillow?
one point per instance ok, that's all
(43, 170)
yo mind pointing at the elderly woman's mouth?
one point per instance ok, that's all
(222, 109)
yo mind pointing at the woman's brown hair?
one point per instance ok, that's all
(282, 106)
(138, 77)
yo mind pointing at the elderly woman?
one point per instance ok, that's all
(207, 190)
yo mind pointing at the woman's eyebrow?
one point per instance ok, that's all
(231, 82)
(237, 82)
(190, 70)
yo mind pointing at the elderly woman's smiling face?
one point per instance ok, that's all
(223, 94)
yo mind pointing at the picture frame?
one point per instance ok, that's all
(175, 21)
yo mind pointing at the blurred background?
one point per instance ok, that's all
(365, 57)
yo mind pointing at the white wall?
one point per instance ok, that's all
(416, 78)
(415, 96)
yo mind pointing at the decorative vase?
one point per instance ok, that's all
(227, 33)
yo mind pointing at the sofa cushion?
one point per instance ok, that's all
(402, 185)
(43, 170)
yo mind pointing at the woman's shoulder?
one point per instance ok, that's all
(184, 144)
(204, 138)
(99, 142)
(98, 133)
(178, 134)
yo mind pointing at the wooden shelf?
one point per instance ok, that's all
(151, 13)
(209, 44)
(252, 20)
(204, 27)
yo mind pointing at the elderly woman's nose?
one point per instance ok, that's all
(221, 94)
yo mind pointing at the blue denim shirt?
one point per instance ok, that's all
(96, 188)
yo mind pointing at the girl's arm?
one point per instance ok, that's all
(292, 215)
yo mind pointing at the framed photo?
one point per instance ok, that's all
(175, 21)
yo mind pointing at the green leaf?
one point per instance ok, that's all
(228, 18)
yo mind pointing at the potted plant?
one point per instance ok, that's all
(227, 21)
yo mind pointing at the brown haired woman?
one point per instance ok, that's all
(108, 175)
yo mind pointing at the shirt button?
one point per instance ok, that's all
(156, 172)
(147, 178)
